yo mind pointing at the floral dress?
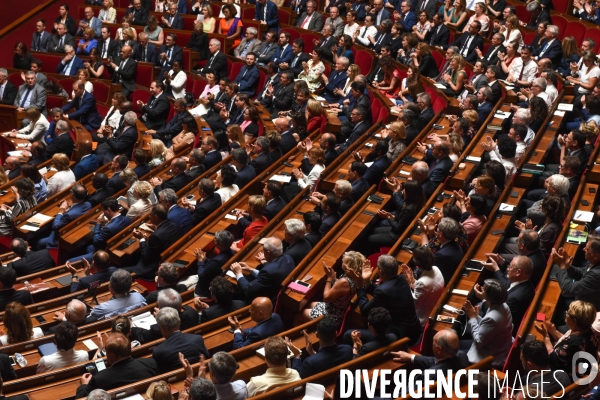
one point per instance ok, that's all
(313, 76)
(337, 308)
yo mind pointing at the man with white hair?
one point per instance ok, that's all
(523, 116)
(249, 44)
(98, 394)
(217, 61)
(267, 281)
(123, 144)
(550, 47)
(334, 85)
(279, 97)
(335, 20)
(70, 64)
(89, 21)
(74, 313)
(8, 91)
(343, 190)
(190, 345)
(294, 243)
(538, 88)
(60, 39)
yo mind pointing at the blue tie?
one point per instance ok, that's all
(25, 97)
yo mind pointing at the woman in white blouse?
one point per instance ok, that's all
(38, 125)
(141, 193)
(210, 91)
(225, 178)
(113, 117)
(61, 179)
(175, 81)
(316, 158)
(18, 325)
(351, 25)
(586, 78)
(511, 32)
(84, 76)
(108, 15)
(480, 9)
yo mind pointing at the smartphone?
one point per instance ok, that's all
(474, 265)
(432, 210)
(443, 318)
(438, 127)
(40, 319)
(302, 283)
(190, 197)
(100, 366)
(12, 361)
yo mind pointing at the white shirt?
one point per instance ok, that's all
(178, 84)
(585, 77)
(227, 192)
(544, 96)
(114, 119)
(552, 93)
(37, 333)
(427, 291)
(371, 31)
(350, 29)
(529, 71)
(515, 35)
(60, 359)
(59, 181)
(508, 163)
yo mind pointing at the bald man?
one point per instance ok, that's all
(446, 354)
(288, 142)
(12, 166)
(267, 324)
(88, 162)
(123, 370)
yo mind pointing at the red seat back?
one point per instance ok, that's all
(198, 87)
(439, 58)
(49, 60)
(439, 105)
(375, 108)
(15, 79)
(593, 33)
(577, 30)
(248, 13)
(528, 37)
(144, 74)
(561, 6)
(383, 115)
(235, 69)
(171, 112)
(285, 16)
(562, 23)
(142, 95)
(54, 101)
(102, 109)
(262, 78)
(308, 38)
(294, 34)
(67, 84)
(523, 14)
(364, 59)
(101, 92)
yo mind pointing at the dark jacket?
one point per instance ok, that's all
(268, 281)
(298, 250)
(166, 354)
(327, 357)
(164, 236)
(155, 113)
(218, 310)
(269, 327)
(205, 207)
(209, 269)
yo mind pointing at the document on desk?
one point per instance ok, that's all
(281, 178)
(90, 344)
(144, 321)
(583, 216)
(16, 153)
(314, 391)
(565, 107)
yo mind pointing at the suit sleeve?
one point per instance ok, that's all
(151, 249)
(573, 283)
(366, 305)
(247, 338)
(423, 362)
(101, 236)
(124, 142)
(86, 108)
(127, 73)
(482, 330)
(319, 23)
(254, 288)
(273, 17)
(284, 101)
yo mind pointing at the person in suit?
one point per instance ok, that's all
(211, 156)
(221, 292)
(329, 211)
(195, 162)
(107, 46)
(144, 52)
(31, 94)
(312, 222)
(380, 163)
(427, 113)
(122, 143)
(8, 277)
(248, 77)
(209, 268)
(66, 214)
(298, 57)
(178, 215)
(329, 355)
(260, 147)
(358, 128)
(245, 174)
(294, 243)
(469, 41)
(249, 44)
(209, 201)
(446, 354)
(8, 91)
(538, 15)
(335, 19)
(356, 171)
(379, 13)
(326, 43)
(167, 353)
(99, 270)
(155, 112)
(428, 6)
(267, 48)
(137, 14)
(283, 52)
(268, 280)
(439, 34)
(89, 21)
(279, 97)
(408, 18)
(439, 162)
(85, 112)
(266, 13)
(378, 322)
(448, 257)
(123, 370)
(176, 182)
(40, 39)
(12, 167)
(491, 55)
(118, 164)
(63, 142)
(58, 41)
(311, 20)
(152, 245)
(173, 20)
(169, 53)
(268, 324)
(476, 81)
(337, 80)
(29, 261)
(282, 126)
(392, 293)
(70, 64)
(550, 47)
(272, 194)
(491, 75)
(123, 71)
(88, 162)
(112, 224)
(217, 61)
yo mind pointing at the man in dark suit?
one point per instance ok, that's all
(428, 6)
(295, 244)
(221, 292)
(245, 174)
(169, 53)
(528, 244)
(8, 91)
(209, 268)
(448, 257)
(58, 41)
(155, 112)
(491, 55)
(152, 245)
(173, 20)
(40, 39)
(144, 52)
(176, 182)
(102, 192)
(209, 201)
(29, 261)
(84, 104)
(267, 281)
(66, 214)
(392, 293)
(102, 271)
(329, 355)
(312, 222)
(70, 64)
(12, 166)
(380, 164)
(336, 81)
(196, 164)
(288, 142)
(180, 216)
(446, 354)
(123, 143)
(272, 194)
(298, 57)
(279, 97)
(379, 13)
(8, 277)
(283, 52)
(167, 353)
(266, 13)
(550, 47)
(538, 15)
(247, 79)
(408, 19)
(267, 48)
(123, 70)
(141, 164)
(107, 46)
(260, 147)
(175, 124)
(329, 211)
(358, 127)
(123, 370)
(378, 323)
(355, 176)
(469, 41)
(217, 61)
(118, 164)
(137, 14)
(211, 156)
(327, 42)
(427, 114)
(310, 20)
(267, 324)
(439, 163)
(439, 34)
(63, 142)
(357, 98)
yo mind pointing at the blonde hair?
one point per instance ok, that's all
(236, 131)
(33, 114)
(456, 142)
(318, 154)
(258, 203)
(471, 116)
(159, 391)
(354, 261)
(84, 72)
(143, 189)
(314, 107)
(582, 313)
(589, 128)
(157, 148)
(354, 71)
(399, 129)
(460, 60)
(60, 161)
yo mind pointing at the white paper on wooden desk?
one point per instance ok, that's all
(31, 228)
(90, 344)
(565, 107)
(144, 321)
(506, 207)
(559, 113)
(230, 274)
(281, 178)
(314, 391)
(43, 171)
(16, 153)
(583, 216)
(229, 216)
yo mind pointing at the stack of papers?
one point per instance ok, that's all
(559, 113)
(33, 223)
(281, 178)
(16, 153)
(583, 216)
(565, 107)
(144, 321)
(314, 391)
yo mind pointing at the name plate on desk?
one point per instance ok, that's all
(473, 159)
(565, 107)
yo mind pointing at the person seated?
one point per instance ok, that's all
(329, 355)
(75, 313)
(221, 292)
(208, 202)
(256, 206)
(378, 323)
(29, 261)
(123, 300)
(8, 277)
(18, 325)
(166, 278)
(224, 181)
(312, 223)
(277, 374)
(65, 338)
(100, 270)
(166, 354)
(178, 180)
(535, 361)
(123, 370)
(268, 324)
(473, 217)
(209, 268)
(141, 193)
(223, 367)
(35, 130)
(24, 191)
